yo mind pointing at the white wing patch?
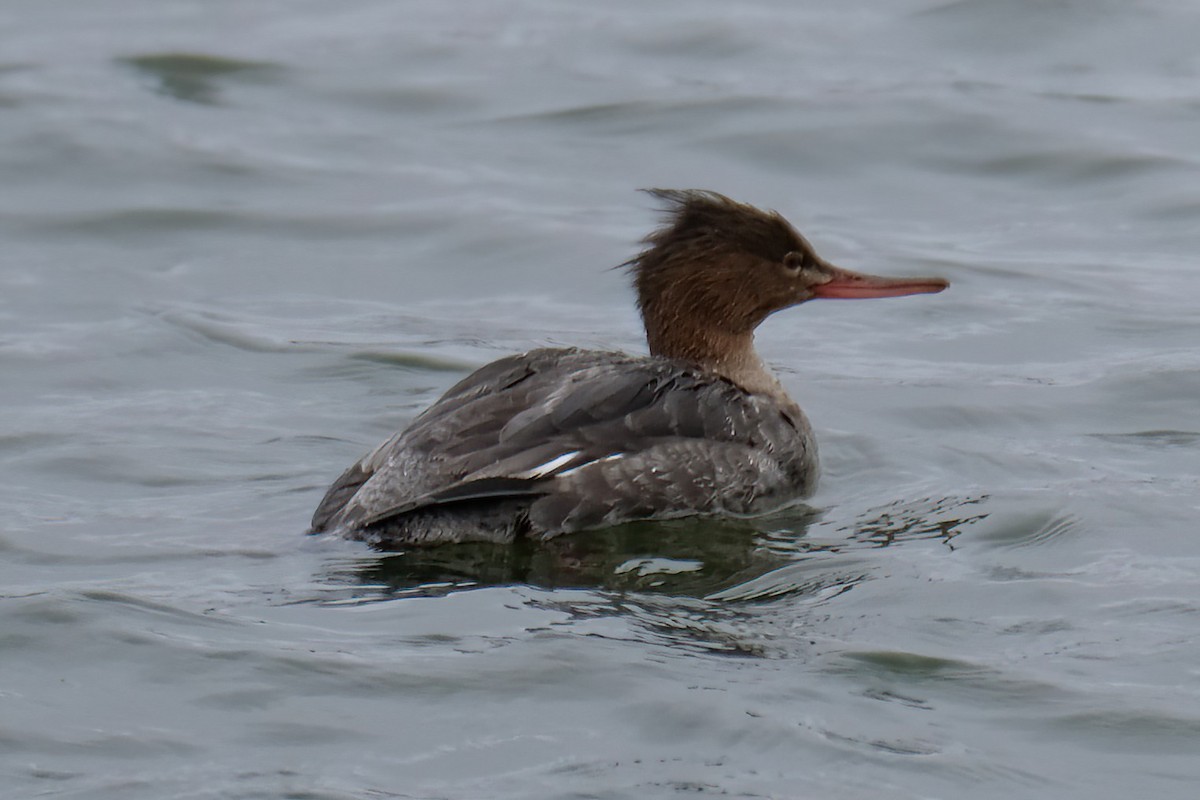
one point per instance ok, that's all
(551, 468)
(542, 470)
(578, 467)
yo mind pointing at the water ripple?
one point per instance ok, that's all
(196, 78)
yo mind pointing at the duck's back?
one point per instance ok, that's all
(554, 441)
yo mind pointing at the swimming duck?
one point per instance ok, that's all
(556, 441)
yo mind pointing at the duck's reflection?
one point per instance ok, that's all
(690, 557)
(798, 551)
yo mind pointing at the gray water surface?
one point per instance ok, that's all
(245, 242)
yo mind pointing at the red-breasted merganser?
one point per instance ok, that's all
(555, 441)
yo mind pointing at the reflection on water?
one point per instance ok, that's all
(923, 519)
(691, 557)
(713, 559)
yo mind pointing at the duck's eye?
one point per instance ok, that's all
(794, 261)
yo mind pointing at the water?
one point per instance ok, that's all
(244, 242)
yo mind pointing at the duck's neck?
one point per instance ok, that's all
(730, 355)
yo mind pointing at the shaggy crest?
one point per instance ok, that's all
(699, 224)
(704, 273)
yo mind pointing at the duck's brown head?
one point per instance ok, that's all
(717, 268)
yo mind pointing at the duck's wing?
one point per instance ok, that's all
(396, 464)
(593, 437)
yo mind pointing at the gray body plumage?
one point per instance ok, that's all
(557, 441)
